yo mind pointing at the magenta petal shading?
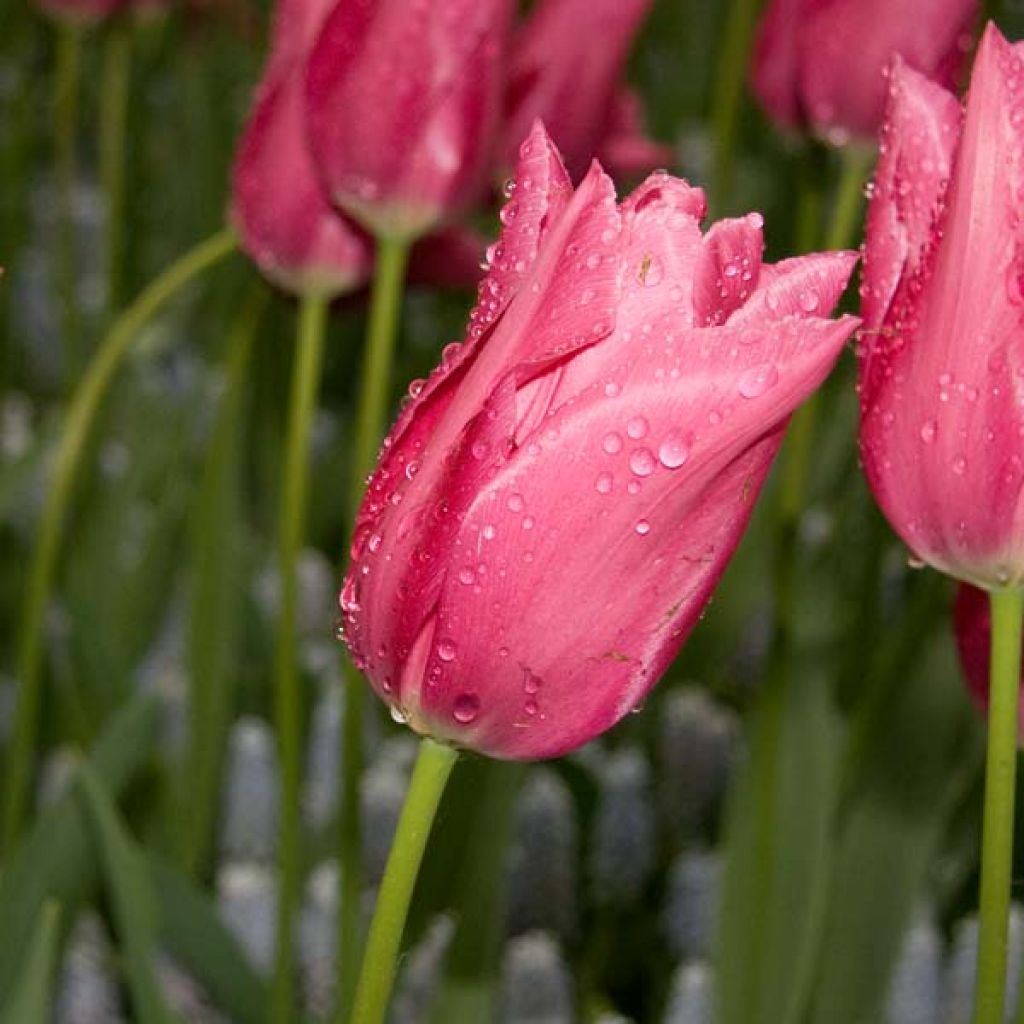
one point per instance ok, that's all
(819, 64)
(941, 414)
(554, 507)
(403, 103)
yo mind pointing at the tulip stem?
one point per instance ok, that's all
(65, 113)
(373, 398)
(855, 166)
(730, 74)
(380, 961)
(113, 117)
(1000, 778)
(67, 459)
(287, 698)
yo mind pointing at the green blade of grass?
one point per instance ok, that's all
(32, 998)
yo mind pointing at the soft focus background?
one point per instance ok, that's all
(586, 889)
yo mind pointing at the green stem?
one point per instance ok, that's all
(1000, 778)
(65, 112)
(114, 89)
(374, 401)
(380, 961)
(730, 74)
(79, 421)
(855, 165)
(213, 625)
(287, 697)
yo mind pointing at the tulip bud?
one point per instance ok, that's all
(247, 904)
(403, 103)
(972, 626)
(692, 904)
(568, 78)
(819, 64)
(691, 998)
(554, 506)
(249, 813)
(278, 204)
(941, 419)
(535, 982)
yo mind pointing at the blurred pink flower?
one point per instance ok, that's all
(820, 64)
(403, 104)
(556, 503)
(942, 358)
(565, 67)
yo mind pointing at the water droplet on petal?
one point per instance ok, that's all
(756, 381)
(515, 503)
(643, 527)
(960, 465)
(466, 708)
(612, 443)
(398, 715)
(603, 483)
(642, 462)
(928, 431)
(637, 427)
(446, 650)
(674, 450)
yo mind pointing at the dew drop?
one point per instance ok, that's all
(756, 381)
(928, 431)
(398, 715)
(960, 465)
(530, 708)
(466, 708)
(515, 503)
(467, 576)
(349, 598)
(603, 483)
(642, 527)
(637, 428)
(446, 649)
(642, 462)
(674, 450)
(612, 443)
(489, 532)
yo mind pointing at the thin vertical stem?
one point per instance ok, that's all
(287, 698)
(855, 165)
(373, 402)
(730, 74)
(65, 113)
(1000, 779)
(67, 459)
(114, 91)
(380, 961)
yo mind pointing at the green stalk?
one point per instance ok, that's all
(114, 87)
(374, 399)
(65, 113)
(855, 166)
(212, 629)
(380, 961)
(78, 425)
(287, 697)
(730, 75)
(1000, 778)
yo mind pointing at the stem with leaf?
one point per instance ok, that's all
(380, 961)
(288, 713)
(373, 403)
(67, 459)
(1000, 780)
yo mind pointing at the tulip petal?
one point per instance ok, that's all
(278, 206)
(727, 269)
(919, 140)
(599, 491)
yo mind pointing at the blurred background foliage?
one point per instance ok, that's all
(611, 885)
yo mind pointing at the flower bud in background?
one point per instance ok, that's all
(691, 909)
(403, 104)
(278, 204)
(942, 348)
(249, 813)
(972, 626)
(87, 989)
(819, 65)
(535, 982)
(691, 995)
(915, 988)
(555, 505)
(247, 904)
(566, 62)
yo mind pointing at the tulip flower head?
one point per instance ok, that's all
(566, 62)
(282, 213)
(403, 101)
(820, 64)
(553, 507)
(972, 626)
(942, 356)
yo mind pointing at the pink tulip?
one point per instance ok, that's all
(279, 207)
(972, 625)
(941, 359)
(404, 100)
(566, 63)
(555, 504)
(820, 64)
